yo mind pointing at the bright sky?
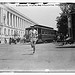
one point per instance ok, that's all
(43, 15)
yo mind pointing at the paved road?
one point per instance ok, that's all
(47, 57)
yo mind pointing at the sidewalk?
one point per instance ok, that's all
(65, 46)
(27, 43)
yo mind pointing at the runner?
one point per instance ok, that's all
(33, 37)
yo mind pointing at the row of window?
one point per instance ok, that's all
(47, 32)
(11, 32)
(5, 33)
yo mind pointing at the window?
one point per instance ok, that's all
(20, 22)
(42, 31)
(8, 31)
(4, 31)
(4, 17)
(8, 18)
(11, 19)
(11, 32)
(24, 23)
(0, 31)
(16, 21)
(19, 32)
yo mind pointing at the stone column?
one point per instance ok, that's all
(1, 16)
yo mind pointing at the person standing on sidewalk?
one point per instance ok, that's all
(33, 34)
(10, 40)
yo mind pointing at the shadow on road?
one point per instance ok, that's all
(28, 54)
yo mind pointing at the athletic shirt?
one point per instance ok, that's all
(33, 33)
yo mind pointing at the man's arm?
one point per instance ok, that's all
(29, 34)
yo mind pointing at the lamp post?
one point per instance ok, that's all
(68, 12)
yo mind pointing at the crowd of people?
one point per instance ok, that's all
(14, 40)
(64, 39)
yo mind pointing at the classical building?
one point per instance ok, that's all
(69, 11)
(11, 22)
(71, 19)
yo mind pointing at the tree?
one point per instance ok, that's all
(62, 20)
(62, 24)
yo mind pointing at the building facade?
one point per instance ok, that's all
(11, 22)
(71, 19)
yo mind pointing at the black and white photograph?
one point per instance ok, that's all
(37, 37)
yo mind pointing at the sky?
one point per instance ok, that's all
(43, 15)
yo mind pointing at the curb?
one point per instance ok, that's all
(66, 46)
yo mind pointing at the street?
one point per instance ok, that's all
(46, 57)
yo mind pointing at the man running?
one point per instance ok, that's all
(33, 37)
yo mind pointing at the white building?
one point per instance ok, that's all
(12, 21)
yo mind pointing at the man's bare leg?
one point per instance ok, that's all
(34, 46)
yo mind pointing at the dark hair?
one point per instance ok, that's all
(32, 26)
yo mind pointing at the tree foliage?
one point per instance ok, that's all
(62, 24)
(62, 20)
